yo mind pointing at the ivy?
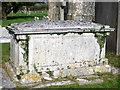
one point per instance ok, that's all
(35, 68)
(18, 77)
(40, 73)
(102, 28)
(80, 33)
(51, 34)
(25, 47)
(50, 73)
(101, 37)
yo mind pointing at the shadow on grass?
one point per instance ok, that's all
(18, 17)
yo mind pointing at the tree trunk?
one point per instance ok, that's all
(4, 17)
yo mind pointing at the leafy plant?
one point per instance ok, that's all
(35, 68)
(50, 73)
(25, 46)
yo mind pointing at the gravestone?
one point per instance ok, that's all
(59, 48)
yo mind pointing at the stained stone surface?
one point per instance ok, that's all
(84, 11)
(84, 81)
(5, 80)
(68, 82)
(115, 70)
(75, 10)
(4, 35)
(49, 26)
(30, 78)
(55, 83)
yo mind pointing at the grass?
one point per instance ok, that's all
(114, 82)
(0, 52)
(21, 17)
(5, 52)
(113, 59)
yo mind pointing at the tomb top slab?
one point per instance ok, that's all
(48, 26)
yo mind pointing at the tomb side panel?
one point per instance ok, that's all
(60, 51)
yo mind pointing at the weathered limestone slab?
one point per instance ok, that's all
(5, 81)
(4, 35)
(59, 48)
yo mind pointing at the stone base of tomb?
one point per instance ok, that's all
(30, 78)
(73, 70)
(81, 71)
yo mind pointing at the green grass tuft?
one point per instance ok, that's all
(5, 52)
(114, 82)
(114, 60)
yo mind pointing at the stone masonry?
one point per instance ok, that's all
(58, 48)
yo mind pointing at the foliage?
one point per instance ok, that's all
(50, 73)
(100, 40)
(113, 59)
(41, 7)
(25, 46)
(35, 68)
(101, 37)
(8, 7)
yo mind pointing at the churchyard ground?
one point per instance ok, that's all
(110, 80)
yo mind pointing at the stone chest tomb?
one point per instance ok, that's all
(60, 47)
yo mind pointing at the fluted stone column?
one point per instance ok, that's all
(53, 13)
(77, 10)
(56, 10)
(80, 10)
